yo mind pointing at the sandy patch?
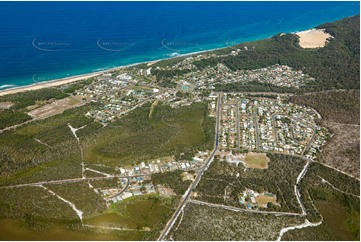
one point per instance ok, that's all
(5, 105)
(56, 107)
(313, 38)
(152, 62)
(54, 83)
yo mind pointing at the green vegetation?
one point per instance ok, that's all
(138, 137)
(10, 117)
(341, 106)
(11, 229)
(173, 180)
(105, 183)
(85, 199)
(146, 215)
(164, 77)
(278, 179)
(253, 86)
(335, 66)
(43, 149)
(340, 111)
(28, 98)
(78, 85)
(207, 223)
(339, 211)
(33, 205)
(17, 113)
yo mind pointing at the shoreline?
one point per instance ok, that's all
(67, 80)
(70, 79)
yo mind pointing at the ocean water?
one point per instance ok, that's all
(41, 41)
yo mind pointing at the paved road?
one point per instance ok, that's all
(242, 209)
(256, 126)
(186, 196)
(237, 123)
(299, 120)
(312, 137)
(123, 190)
(70, 180)
(262, 93)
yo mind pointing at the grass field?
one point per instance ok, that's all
(147, 213)
(150, 132)
(11, 229)
(262, 200)
(257, 160)
(334, 214)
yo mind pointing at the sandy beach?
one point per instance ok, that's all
(54, 83)
(66, 80)
(313, 38)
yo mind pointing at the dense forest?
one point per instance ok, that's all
(336, 66)
(342, 106)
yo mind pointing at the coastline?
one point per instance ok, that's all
(67, 80)
(70, 79)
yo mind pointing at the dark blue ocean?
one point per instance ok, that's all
(41, 41)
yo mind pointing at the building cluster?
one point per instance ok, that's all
(117, 95)
(277, 75)
(270, 125)
(157, 166)
(252, 199)
(139, 178)
(134, 186)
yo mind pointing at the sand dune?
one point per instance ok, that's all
(313, 38)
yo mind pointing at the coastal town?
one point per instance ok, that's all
(180, 122)
(247, 123)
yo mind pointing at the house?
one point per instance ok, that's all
(126, 195)
(137, 193)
